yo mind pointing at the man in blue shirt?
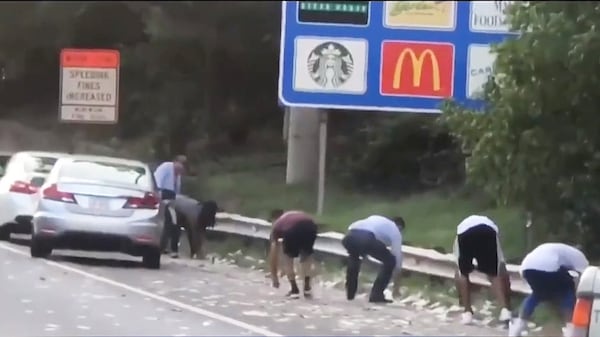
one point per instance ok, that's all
(168, 180)
(547, 269)
(371, 237)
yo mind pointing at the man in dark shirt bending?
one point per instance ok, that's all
(297, 232)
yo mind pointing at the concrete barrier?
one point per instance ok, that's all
(418, 260)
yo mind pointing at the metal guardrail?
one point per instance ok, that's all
(415, 259)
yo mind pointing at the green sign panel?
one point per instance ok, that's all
(334, 12)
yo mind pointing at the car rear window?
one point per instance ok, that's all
(3, 161)
(110, 173)
(37, 181)
(38, 164)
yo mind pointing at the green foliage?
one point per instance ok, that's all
(188, 69)
(400, 153)
(536, 144)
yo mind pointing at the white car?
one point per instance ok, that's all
(96, 203)
(586, 314)
(23, 174)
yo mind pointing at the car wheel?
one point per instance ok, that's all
(38, 248)
(151, 259)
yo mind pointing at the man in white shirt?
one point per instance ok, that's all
(546, 270)
(371, 237)
(477, 239)
(168, 180)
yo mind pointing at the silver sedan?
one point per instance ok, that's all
(99, 204)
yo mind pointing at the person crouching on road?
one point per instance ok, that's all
(371, 237)
(477, 238)
(195, 217)
(168, 180)
(546, 270)
(297, 232)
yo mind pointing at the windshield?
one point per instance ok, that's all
(109, 173)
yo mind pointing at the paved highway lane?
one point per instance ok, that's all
(43, 299)
(111, 294)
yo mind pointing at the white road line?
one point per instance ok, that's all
(180, 305)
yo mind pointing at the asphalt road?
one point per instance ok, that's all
(93, 294)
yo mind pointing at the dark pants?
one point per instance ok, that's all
(300, 239)
(360, 243)
(557, 286)
(197, 230)
(480, 243)
(172, 230)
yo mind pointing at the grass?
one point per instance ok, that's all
(431, 217)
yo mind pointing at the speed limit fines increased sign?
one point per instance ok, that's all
(89, 86)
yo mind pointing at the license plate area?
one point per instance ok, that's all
(99, 204)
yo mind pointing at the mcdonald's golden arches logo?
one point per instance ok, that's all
(410, 68)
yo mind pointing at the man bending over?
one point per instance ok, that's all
(546, 270)
(477, 238)
(296, 232)
(371, 237)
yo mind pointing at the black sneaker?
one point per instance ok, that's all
(307, 293)
(380, 300)
(294, 294)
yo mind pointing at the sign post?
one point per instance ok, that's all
(404, 56)
(89, 86)
(322, 161)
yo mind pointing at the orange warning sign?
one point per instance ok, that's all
(89, 58)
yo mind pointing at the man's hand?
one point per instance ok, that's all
(275, 281)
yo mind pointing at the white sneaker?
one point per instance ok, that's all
(505, 315)
(516, 327)
(567, 330)
(466, 318)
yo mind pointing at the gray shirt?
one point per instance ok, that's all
(386, 231)
(187, 207)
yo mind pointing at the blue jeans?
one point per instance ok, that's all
(557, 286)
(360, 243)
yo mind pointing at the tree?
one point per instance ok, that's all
(211, 48)
(536, 143)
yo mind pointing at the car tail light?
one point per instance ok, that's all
(149, 201)
(581, 318)
(52, 193)
(23, 187)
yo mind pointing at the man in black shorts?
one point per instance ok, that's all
(297, 232)
(477, 239)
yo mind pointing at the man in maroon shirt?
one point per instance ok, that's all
(297, 232)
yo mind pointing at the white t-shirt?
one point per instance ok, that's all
(386, 231)
(475, 220)
(550, 257)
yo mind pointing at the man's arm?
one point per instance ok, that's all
(396, 249)
(274, 260)
(159, 176)
(178, 185)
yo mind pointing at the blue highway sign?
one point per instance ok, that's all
(387, 55)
